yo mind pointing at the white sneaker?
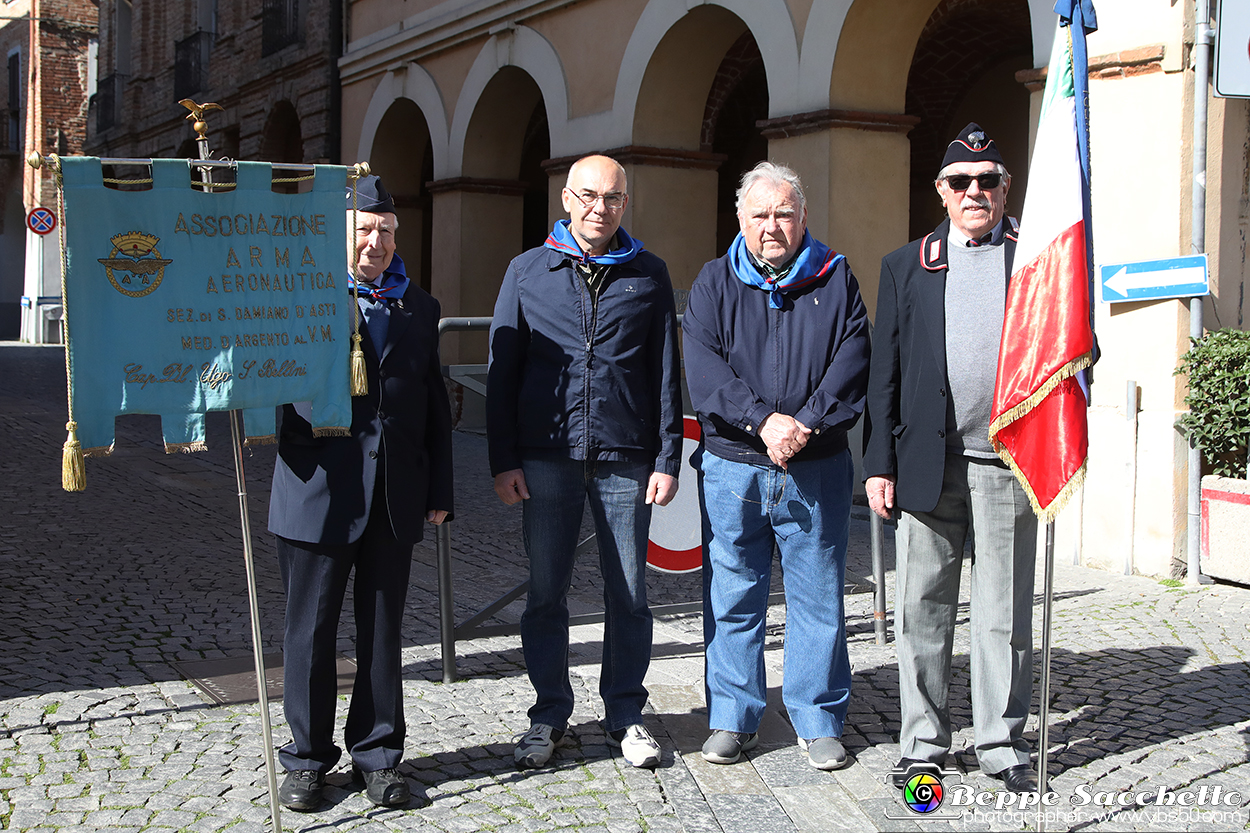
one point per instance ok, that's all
(636, 745)
(534, 748)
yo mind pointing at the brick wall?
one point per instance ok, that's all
(251, 87)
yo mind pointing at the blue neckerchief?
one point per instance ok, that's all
(563, 241)
(813, 262)
(394, 283)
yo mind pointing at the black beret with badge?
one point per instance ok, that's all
(971, 145)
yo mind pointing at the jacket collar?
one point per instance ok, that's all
(933, 248)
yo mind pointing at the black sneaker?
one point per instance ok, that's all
(385, 787)
(301, 790)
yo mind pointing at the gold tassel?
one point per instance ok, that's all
(73, 470)
(360, 382)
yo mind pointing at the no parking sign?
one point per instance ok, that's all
(40, 220)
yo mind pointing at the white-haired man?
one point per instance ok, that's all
(776, 354)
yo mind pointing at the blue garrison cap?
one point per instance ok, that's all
(371, 196)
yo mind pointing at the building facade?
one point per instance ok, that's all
(473, 111)
(270, 64)
(48, 48)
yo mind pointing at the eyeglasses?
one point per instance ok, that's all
(611, 202)
(987, 182)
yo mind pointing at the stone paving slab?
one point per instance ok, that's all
(105, 590)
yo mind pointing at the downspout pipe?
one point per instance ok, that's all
(1198, 244)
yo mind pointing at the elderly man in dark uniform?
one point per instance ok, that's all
(927, 452)
(359, 502)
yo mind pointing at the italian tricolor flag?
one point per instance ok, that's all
(1038, 423)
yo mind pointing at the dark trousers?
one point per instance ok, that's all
(315, 578)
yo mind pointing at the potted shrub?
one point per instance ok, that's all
(1218, 422)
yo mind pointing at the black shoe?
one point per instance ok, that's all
(907, 767)
(385, 787)
(1019, 778)
(301, 790)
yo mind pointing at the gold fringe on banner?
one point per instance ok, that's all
(73, 469)
(332, 431)
(1021, 408)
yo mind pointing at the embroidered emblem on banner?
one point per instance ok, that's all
(135, 267)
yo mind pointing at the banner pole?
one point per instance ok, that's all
(1043, 733)
(236, 435)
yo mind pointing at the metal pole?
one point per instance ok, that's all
(1043, 742)
(262, 693)
(446, 610)
(1198, 243)
(1130, 413)
(877, 536)
(446, 606)
(258, 652)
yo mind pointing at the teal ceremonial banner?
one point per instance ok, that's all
(180, 302)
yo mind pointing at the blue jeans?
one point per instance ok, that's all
(805, 511)
(552, 518)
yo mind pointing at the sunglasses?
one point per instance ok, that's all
(987, 182)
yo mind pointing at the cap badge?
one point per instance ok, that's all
(976, 138)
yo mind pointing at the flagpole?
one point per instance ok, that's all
(236, 434)
(1043, 735)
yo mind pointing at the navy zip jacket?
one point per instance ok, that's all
(571, 380)
(746, 361)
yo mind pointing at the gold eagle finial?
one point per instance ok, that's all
(196, 116)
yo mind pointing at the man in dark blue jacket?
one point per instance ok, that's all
(359, 502)
(583, 402)
(777, 364)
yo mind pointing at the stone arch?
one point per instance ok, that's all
(414, 83)
(963, 69)
(777, 45)
(282, 137)
(524, 49)
(832, 32)
(400, 151)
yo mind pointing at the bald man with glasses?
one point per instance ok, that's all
(927, 456)
(583, 404)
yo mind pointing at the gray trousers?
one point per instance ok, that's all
(984, 500)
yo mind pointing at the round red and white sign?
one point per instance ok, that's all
(676, 537)
(41, 220)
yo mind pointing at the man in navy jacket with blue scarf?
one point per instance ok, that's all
(358, 503)
(583, 403)
(777, 364)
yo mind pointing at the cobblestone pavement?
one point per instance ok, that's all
(105, 590)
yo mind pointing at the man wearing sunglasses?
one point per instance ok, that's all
(583, 404)
(927, 454)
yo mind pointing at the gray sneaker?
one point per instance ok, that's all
(533, 749)
(725, 747)
(824, 753)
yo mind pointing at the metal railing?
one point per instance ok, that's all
(472, 627)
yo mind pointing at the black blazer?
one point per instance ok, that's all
(905, 424)
(323, 487)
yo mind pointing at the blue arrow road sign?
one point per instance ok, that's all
(1150, 280)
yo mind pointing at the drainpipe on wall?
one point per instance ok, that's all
(1198, 243)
